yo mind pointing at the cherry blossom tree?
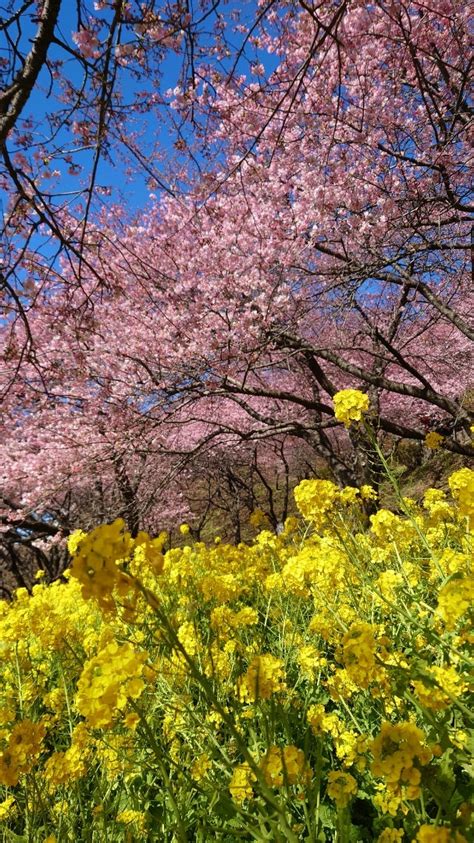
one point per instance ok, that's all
(85, 94)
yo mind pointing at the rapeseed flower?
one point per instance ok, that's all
(341, 787)
(455, 599)
(95, 560)
(461, 484)
(433, 440)
(23, 749)
(359, 648)
(108, 681)
(241, 783)
(7, 808)
(391, 835)
(284, 766)
(327, 623)
(350, 405)
(399, 751)
(438, 834)
(265, 676)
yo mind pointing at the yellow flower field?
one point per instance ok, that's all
(312, 685)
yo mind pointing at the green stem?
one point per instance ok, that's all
(158, 755)
(206, 685)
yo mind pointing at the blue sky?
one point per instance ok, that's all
(133, 192)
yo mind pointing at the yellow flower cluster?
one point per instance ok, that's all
(285, 766)
(62, 768)
(315, 497)
(359, 649)
(280, 766)
(455, 599)
(135, 819)
(108, 682)
(326, 665)
(264, 677)
(350, 747)
(433, 440)
(7, 808)
(97, 559)
(438, 834)
(388, 527)
(22, 751)
(391, 835)
(439, 687)
(461, 484)
(350, 405)
(241, 782)
(341, 787)
(399, 751)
